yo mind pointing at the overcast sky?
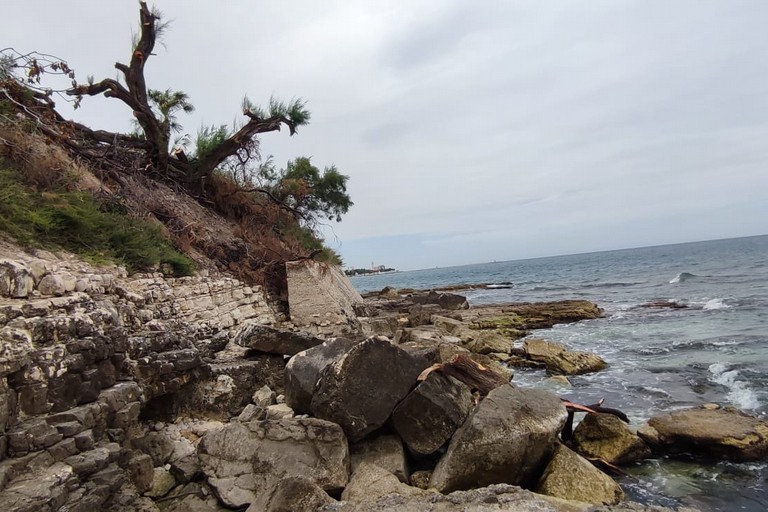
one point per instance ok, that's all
(471, 131)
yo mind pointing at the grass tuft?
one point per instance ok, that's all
(75, 221)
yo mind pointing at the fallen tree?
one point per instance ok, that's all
(153, 110)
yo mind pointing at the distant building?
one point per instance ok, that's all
(375, 269)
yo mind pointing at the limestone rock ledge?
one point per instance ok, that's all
(84, 352)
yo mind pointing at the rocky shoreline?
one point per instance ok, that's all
(145, 393)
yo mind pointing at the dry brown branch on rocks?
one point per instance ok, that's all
(462, 368)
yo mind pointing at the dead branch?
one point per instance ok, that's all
(134, 93)
(470, 372)
(567, 433)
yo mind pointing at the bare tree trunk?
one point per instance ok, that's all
(134, 93)
(156, 129)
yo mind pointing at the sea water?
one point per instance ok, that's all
(713, 350)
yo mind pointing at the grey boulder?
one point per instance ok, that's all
(508, 438)
(303, 371)
(360, 390)
(430, 414)
(242, 460)
(267, 339)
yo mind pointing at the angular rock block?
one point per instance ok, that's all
(385, 451)
(243, 460)
(267, 339)
(571, 477)
(360, 390)
(16, 280)
(370, 482)
(292, 494)
(303, 371)
(508, 438)
(604, 436)
(430, 414)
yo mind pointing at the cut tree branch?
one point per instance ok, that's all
(231, 145)
(470, 372)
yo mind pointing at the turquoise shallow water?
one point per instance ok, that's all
(714, 350)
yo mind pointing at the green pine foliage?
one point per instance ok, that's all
(314, 193)
(310, 242)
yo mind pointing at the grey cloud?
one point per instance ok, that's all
(499, 129)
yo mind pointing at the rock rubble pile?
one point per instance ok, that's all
(144, 393)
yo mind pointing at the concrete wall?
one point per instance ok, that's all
(321, 298)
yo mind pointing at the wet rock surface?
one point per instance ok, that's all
(604, 436)
(720, 433)
(571, 477)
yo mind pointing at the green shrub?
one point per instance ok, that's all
(75, 221)
(310, 242)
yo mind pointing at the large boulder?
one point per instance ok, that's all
(155, 444)
(486, 342)
(421, 314)
(264, 338)
(385, 325)
(242, 460)
(229, 386)
(360, 390)
(421, 334)
(559, 360)
(430, 414)
(569, 476)
(303, 371)
(507, 439)
(444, 300)
(726, 433)
(604, 436)
(448, 324)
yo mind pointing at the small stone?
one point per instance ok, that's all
(162, 483)
(264, 397)
(252, 412)
(420, 479)
(277, 411)
(52, 284)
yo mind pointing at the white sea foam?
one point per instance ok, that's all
(716, 304)
(739, 393)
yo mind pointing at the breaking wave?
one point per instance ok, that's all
(739, 393)
(682, 277)
(716, 304)
(499, 286)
